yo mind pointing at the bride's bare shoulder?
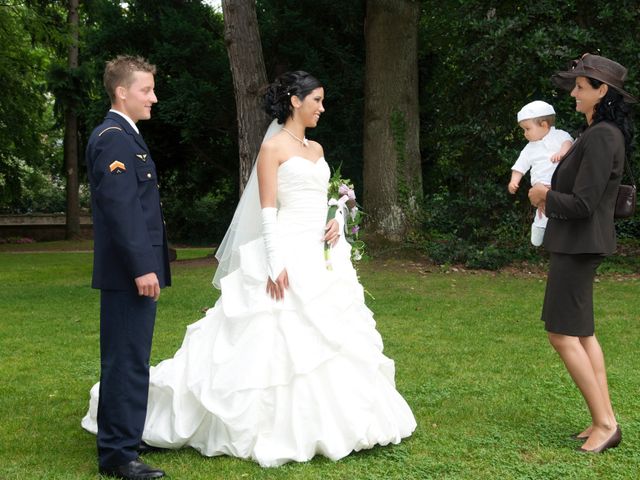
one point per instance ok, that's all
(316, 149)
(270, 151)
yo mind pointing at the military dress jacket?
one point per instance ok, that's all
(130, 239)
(583, 193)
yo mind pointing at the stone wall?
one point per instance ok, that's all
(41, 226)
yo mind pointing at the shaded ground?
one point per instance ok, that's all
(625, 264)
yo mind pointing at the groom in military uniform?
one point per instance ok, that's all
(131, 263)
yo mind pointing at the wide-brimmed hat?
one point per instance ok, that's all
(599, 68)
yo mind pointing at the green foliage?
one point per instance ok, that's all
(29, 153)
(198, 218)
(479, 65)
(69, 86)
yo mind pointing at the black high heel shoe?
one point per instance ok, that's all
(613, 441)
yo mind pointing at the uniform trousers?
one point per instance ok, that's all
(126, 331)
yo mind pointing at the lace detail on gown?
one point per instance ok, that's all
(280, 381)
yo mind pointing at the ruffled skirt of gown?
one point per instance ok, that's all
(278, 381)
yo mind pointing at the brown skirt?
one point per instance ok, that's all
(568, 299)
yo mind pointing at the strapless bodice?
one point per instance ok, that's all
(302, 194)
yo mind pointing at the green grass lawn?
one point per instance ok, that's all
(491, 398)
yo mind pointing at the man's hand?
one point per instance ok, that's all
(148, 286)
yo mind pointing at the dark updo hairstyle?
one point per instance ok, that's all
(277, 98)
(613, 108)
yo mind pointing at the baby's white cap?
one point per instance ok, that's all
(535, 109)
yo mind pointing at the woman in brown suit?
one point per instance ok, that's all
(580, 232)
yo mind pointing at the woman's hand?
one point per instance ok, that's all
(538, 195)
(332, 232)
(276, 289)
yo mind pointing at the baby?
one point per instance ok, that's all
(545, 149)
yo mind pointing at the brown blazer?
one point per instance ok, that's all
(583, 193)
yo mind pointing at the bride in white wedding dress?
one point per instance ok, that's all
(288, 363)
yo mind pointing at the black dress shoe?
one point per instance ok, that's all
(134, 470)
(146, 448)
(613, 441)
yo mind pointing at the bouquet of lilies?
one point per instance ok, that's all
(341, 195)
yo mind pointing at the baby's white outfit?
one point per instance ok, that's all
(536, 156)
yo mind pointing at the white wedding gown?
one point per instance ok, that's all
(280, 381)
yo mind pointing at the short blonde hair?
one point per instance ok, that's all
(119, 72)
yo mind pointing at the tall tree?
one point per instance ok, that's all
(392, 170)
(244, 48)
(71, 131)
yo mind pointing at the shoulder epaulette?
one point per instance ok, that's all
(109, 128)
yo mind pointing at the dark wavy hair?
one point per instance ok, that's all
(277, 97)
(614, 109)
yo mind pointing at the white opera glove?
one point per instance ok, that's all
(275, 262)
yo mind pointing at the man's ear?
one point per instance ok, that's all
(121, 92)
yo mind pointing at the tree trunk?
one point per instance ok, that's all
(244, 48)
(392, 171)
(71, 134)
